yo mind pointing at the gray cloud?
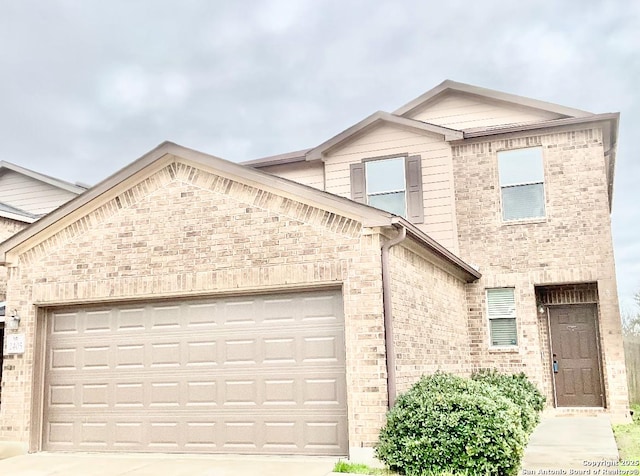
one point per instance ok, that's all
(88, 86)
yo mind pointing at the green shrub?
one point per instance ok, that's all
(448, 423)
(519, 389)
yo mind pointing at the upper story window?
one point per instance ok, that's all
(385, 185)
(521, 183)
(391, 183)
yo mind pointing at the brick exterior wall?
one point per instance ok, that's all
(572, 244)
(8, 228)
(429, 317)
(184, 231)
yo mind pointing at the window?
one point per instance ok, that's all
(521, 183)
(386, 185)
(501, 307)
(391, 183)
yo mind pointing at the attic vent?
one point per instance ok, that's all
(569, 294)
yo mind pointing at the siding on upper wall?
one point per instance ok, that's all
(306, 173)
(8, 228)
(30, 194)
(437, 173)
(461, 111)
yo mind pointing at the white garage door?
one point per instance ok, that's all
(258, 375)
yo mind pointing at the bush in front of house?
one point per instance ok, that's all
(519, 389)
(449, 423)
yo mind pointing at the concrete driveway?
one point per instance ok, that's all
(88, 464)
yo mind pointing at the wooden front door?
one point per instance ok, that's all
(577, 373)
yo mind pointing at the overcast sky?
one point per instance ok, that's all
(88, 86)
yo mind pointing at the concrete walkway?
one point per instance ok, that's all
(87, 464)
(570, 442)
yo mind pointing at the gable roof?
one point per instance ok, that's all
(4, 165)
(168, 152)
(448, 87)
(375, 119)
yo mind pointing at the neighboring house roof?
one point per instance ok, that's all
(13, 213)
(168, 152)
(449, 86)
(42, 177)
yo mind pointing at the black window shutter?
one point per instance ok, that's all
(415, 203)
(358, 191)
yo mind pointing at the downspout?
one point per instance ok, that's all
(388, 315)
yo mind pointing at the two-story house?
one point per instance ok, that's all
(191, 304)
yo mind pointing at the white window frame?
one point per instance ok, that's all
(521, 184)
(513, 316)
(401, 158)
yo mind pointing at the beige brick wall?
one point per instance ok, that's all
(571, 245)
(184, 231)
(429, 317)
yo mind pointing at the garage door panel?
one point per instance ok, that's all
(96, 322)
(94, 435)
(66, 323)
(128, 356)
(326, 348)
(131, 320)
(281, 435)
(128, 395)
(96, 357)
(201, 314)
(95, 395)
(165, 354)
(164, 435)
(237, 433)
(201, 393)
(166, 317)
(323, 434)
(62, 395)
(262, 374)
(201, 353)
(60, 434)
(305, 347)
(263, 311)
(128, 435)
(200, 435)
(325, 389)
